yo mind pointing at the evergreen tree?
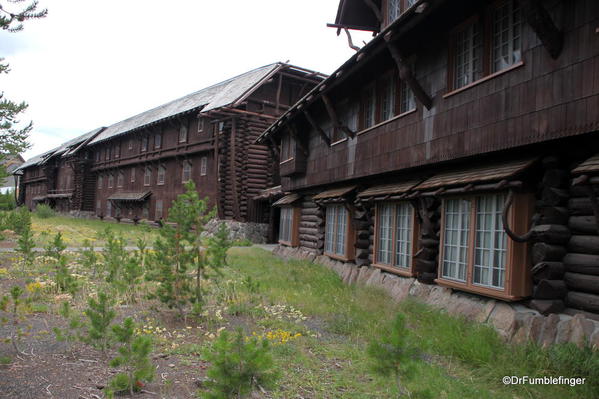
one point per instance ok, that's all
(54, 249)
(100, 314)
(114, 254)
(134, 357)
(89, 258)
(131, 277)
(25, 245)
(218, 245)
(238, 366)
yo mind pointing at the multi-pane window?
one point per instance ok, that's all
(186, 172)
(100, 181)
(110, 180)
(287, 147)
(144, 143)
(468, 55)
(158, 210)
(394, 232)
(336, 230)
(182, 134)
(120, 179)
(388, 99)
(393, 10)
(158, 140)
(286, 225)
(506, 40)
(480, 219)
(133, 174)
(147, 176)
(203, 166)
(369, 111)
(408, 100)
(161, 175)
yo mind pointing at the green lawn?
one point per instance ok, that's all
(76, 230)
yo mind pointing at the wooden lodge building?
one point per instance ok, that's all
(458, 147)
(135, 168)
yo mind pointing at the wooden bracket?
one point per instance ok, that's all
(334, 118)
(317, 127)
(405, 74)
(295, 136)
(540, 21)
(375, 9)
(274, 147)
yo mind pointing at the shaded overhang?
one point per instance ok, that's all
(334, 195)
(289, 199)
(357, 15)
(130, 196)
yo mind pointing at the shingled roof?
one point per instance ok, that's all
(219, 95)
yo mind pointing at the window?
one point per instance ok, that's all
(157, 140)
(117, 150)
(120, 179)
(337, 231)
(147, 176)
(287, 226)
(203, 166)
(160, 176)
(369, 111)
(144, 143)
(100, 181)
(133, 174)
(110, 180)
(487, 45)
(186, 172)
(506, 41)
(108, 208)
(348, 117)
(388, 99)
(476, 254)
(393, 10)
(182, 134)
(408, 101)
(158, 210)
(394, 230)
(287, 147)
(201, 124)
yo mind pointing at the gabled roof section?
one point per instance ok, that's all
(36, 160)
(357, 15)
(229, 92)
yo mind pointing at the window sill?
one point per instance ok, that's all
(395, 270)
(489, 292)
(339, 142)
(338, 257)
(482, 80)
(387, 121)
(285, 161)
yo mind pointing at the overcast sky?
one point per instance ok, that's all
(92, 63)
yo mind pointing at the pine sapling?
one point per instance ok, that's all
(131, 277)
(114, 255)
(64, 279)
(25, 245)
(238, 366)
(89, 258)
(10, 304)
(56, 247)
(100, 314)
(72, 330)
(133, 358)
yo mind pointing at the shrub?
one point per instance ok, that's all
(44, 211)
(7, 201)
(134, 357)
(16, 220)
(238, 365)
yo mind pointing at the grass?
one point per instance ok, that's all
(461, 359)
(76, 230)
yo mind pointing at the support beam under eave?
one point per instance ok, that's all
(405, 74)
(541, 23)
(316, 127)
(295, 136)
(333, 115)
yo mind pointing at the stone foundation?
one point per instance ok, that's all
(257, 233)
(514, 322)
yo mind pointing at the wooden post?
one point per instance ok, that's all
(405, 73)
(334, 118)
(233, 169)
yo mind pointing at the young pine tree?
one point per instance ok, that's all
(238, 366)
(56, 247)
(10, 304)
(134, 358)
(25, 245)
(218, 245)
(114, 255)
(89, 258)
(72, 330)
(100, 314)
(131, 275)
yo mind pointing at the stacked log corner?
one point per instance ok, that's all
(550, 237)
(364, 227)
(582, 258)
(311, 227)
(426, 259)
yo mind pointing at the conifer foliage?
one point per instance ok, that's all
(100, 313)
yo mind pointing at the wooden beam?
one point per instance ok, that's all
(279, 87)
(375, 9)
(274, 146)
(405, 73)
(295, 136)
(317, 127)
(541, 23)
(334, 118)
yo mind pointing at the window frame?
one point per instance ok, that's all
(157, 141)
(147, 176)
(517, 278)
(369, 93)
(100, 181)
(349, 238)
(144, 143)
(187, 167)
(201, 124)
(183, 134)
(161, 175)
(120, 179)
(110, 180)
(293, 228)
(203, 166)
(391, 267)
